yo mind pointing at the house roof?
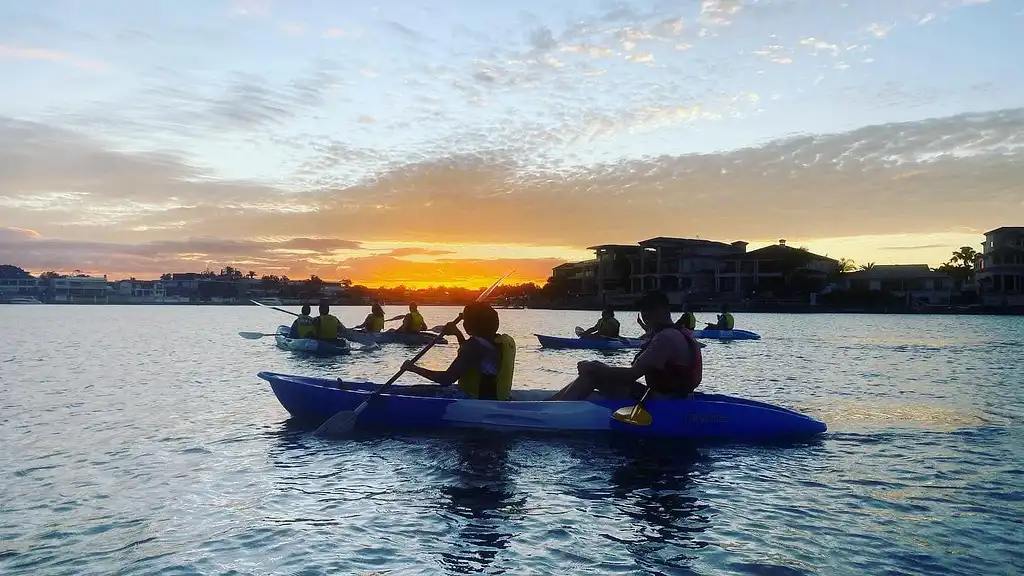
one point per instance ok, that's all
(897, 272)
(1005, 229)
(669, 241)
(782, 252)
(613, 246)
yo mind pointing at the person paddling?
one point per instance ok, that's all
(303, 326)
(670, 362)
(328, 327)
(411, 322)
(606, 327)
(374, 321)
(725, 320)
(484, 366)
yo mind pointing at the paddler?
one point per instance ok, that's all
(687, 320)
(303, 326)
(669, 361)
(328, 327)
(374, 321)
(484, 366)
(411, 322)
(725, 320)
(606, 327)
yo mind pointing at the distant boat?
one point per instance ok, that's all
(24, 300)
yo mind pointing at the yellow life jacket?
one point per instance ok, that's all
(497, 386)
(689, 320)
(729, 322)
(374, 323)
(414, 322)
(327, 327)
(305, 328)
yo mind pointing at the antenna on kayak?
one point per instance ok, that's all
(636, 415)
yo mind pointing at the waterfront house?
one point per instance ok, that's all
(776, 271)
(79, 289)
(11, 288)
(916, 283)
(999, 270)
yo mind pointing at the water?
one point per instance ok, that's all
(138, 440)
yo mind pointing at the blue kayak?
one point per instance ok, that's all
(557, 342)
(412, 338)
(704, 416)
(726, 334)
(310, 345)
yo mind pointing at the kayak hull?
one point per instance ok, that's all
(410, 338)
(559, 343)
(310, 345)
(705, 417)
(726, 334)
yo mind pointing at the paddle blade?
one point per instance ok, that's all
(339, 424)
(252, 335)
(636, 415)
(579, 331)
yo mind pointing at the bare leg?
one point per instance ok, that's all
(578, 389)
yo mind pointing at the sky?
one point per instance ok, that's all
(447, 143)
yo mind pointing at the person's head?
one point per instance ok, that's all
(324, 309)
(376, 309)
(725, 307)
(655, 309)
(305, 309)
(480, 320)
(686, 307)
(608, 312)
(413, 307)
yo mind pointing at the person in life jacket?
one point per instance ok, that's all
(606, 327)
(669, 361)
(374, 321)
(687, 320)
(484, 366)
(303, 326)
(725, 320)
(328, 327)
(411, 322)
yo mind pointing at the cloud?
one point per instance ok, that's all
(258, 8)
(400, 252)
(921, 247)
(293, 28)
(26, 53)
(719, 12)
(911, 177)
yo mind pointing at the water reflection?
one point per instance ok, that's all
(482, 500)
(655, 488)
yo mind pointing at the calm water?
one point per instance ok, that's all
(138, 440)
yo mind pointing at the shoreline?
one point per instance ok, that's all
(974, 310)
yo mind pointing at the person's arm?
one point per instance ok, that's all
(463, 361)
(653, 358)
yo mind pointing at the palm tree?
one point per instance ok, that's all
(867, 266)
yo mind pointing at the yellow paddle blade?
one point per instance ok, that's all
(636, 415)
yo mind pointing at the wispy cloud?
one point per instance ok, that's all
(26, 53)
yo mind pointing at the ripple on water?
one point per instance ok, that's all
(161, 453)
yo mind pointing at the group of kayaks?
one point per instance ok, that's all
(700, 417)
(341, 345)
(607, 343)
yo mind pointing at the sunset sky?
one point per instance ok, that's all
(447, 142)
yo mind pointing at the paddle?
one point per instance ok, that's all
(344, 421)
(580, 332)
(367, 341)
(636, 415)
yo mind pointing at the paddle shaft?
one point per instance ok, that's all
(343, 420)
(275, 308)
